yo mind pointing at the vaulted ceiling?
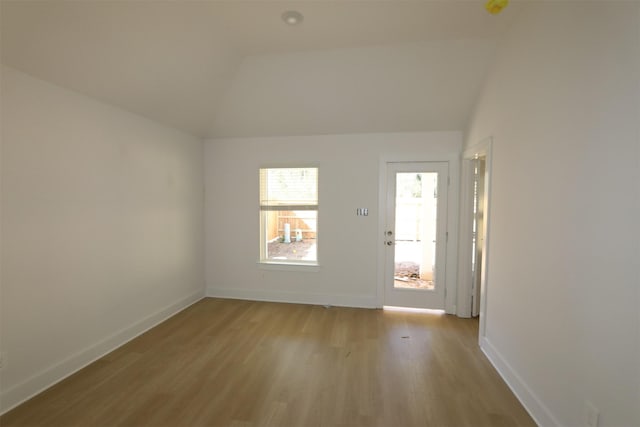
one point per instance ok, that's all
(234, 68)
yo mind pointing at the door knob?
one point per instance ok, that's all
(389, 243)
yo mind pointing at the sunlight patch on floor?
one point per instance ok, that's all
(413, 310)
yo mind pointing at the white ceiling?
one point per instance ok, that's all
(233, 68)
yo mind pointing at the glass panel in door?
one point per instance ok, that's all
(415, 234)
(415, 226)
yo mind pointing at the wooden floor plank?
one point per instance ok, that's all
(248, 364)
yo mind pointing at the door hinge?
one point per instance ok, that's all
(448, 180)
(446, 236)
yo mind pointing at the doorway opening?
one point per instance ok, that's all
(473, 285)
(477, 232)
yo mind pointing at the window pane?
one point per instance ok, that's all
(288, 186)
(290, 235)
(289, 215)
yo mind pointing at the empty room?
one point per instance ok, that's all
(320, 213)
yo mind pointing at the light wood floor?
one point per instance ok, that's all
(242, 363)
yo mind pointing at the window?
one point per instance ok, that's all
(289, 215)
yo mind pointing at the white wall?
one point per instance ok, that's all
(562, 105)
(349, 245)
(408, 87)
(102, 219)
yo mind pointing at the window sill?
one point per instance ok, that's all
(283, 266)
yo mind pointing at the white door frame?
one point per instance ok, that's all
(482, 149)
(451, 264)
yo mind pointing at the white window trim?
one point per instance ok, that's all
(287, 266)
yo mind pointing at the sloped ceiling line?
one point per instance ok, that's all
(235, 69)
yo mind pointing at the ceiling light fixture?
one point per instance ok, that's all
(292, 17)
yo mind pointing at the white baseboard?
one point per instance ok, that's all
(538, 411)
(296, 298)
(41, 381)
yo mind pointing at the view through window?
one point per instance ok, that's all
(289, 215)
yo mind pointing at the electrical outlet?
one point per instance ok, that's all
(3, 359)
(591, 414)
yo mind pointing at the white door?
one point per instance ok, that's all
(416, 234)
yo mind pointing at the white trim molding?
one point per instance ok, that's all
(359, 301)
(48, 377)
(532, 404)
